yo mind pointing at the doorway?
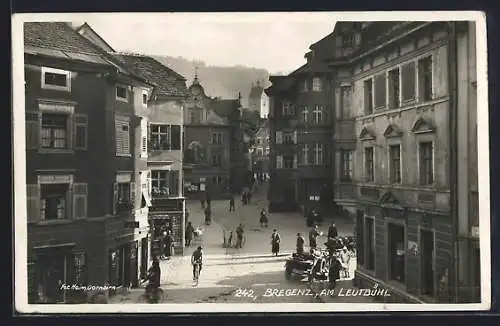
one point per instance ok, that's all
(53, 272)
(427, 262)
(144, 257)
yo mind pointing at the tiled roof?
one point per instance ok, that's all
(314, 66)
(167, 81)
(58, 39)
(280, 84)
(224, 108)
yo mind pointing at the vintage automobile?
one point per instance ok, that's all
(307, 266)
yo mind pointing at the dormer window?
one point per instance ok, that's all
(121, 93)
(56, 79)
(348, 41)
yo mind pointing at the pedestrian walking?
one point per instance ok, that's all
(168, 244)
(334, 272)
(300, 244)
(345, 258)
(275, 242)
(239, 236)
(313, 235)
(263, 218)
(189, 234)
(231, 204)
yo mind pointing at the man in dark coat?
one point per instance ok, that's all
(189, 234)
(231, 204)
(275, 242)
(313, 235)
(239, 236)
(300, 243)
(332, 231)
(334, 272)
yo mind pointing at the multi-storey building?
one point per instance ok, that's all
(207, 143)
(165, 107)
(260, 150)
(404, 88)
(405, 147)
(301, 127)
(81, 113)
(258, 100)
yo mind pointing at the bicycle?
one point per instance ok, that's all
(149, 295)
(196, 273)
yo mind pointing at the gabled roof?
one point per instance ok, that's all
(86, 28)
(224, 108)
(312, 67)
(280, 84)
(59, 40)
(167, 82)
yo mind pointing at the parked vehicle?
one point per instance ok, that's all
(307, 266)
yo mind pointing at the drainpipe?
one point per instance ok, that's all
(453, 144)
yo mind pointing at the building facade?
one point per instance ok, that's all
(258, 100)
(260, 150)
(80, 113)
(207, 143)
(165, 107)
(301, 122)
(398, 154)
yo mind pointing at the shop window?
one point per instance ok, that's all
(160, 183)
(397, 264)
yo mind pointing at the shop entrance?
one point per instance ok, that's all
(427, 262)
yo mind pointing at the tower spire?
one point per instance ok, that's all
(195, 80)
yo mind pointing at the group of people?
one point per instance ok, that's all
(229, 237)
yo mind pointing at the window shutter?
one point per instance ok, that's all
(144, 138)
(175, 137)
(132, 194)
(118, 137)
(126, 138)
(81, 132)
(380, 90)
(115, 197)
(80, 193)
(408, 81)
(311, 155)
(32, 130)
(33, 203)
(279, 137)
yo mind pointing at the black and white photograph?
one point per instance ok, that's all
(251, 162)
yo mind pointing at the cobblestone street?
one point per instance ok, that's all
(249, 274)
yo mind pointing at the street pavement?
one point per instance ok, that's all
(249, 274)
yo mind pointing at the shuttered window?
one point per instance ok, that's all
(380, 91)
(81, 132)
(279, 137)
(408, 81)
(80, 200)
(132, 194)
(32, 130)
(144, 138)
(33, 202)
(175, 135)
(279, 161)
(122, 134)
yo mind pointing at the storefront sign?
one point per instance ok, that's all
(54, 179)
(123, 178)
(132, 224)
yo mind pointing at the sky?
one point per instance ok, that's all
(276, 42)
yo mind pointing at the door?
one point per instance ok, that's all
(53, 271)
(144, 257)
(427, 262)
